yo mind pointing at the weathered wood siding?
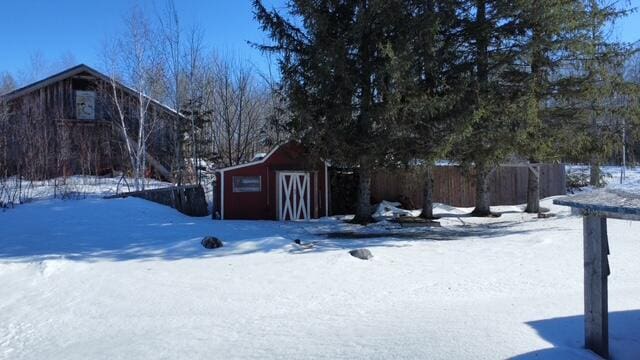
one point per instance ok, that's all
(454, 187)
(48, 139)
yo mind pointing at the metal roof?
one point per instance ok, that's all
(78, 69)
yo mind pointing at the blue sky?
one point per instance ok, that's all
(54, 28)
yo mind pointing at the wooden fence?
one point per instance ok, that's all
(453, 187)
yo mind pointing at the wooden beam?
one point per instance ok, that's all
(596, 270)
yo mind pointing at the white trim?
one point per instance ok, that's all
(308, 207)
(326, 189)
(251, 163)
(279, 194)
(221, 195)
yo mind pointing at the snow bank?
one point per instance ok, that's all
(73, 187)
(390, 209)
(126, 278)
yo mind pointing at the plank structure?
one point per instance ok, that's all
(610, 203)
(596, 207)
(452, 186)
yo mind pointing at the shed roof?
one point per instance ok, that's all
(251, 163)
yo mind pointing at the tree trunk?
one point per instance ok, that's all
(363, 209)
(483, 196)
(533, 190)
(427, 193)
(483, 200)
(594, 174)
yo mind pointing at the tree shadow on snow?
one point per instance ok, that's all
(567, 336)
(350, 239)
(124, 229)
(448, 233)
(134, 229)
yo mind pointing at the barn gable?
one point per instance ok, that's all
(81, 72)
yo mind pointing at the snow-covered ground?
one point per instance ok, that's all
(16, 191)
(126, 278)
(612, 175)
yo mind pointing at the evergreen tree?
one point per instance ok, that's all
(551, 28)
(436, 80)
(338, 65)
(575, 85)
(495, 38)
(589, 106)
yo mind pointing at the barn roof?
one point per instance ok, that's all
(73, 71)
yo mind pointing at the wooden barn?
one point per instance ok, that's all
(286, 184)
(68, 124)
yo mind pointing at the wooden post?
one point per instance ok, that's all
(596, 270)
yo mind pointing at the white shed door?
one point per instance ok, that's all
(294, 195)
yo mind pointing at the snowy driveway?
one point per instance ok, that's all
(128, 279)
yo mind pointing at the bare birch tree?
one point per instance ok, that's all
(41, 66)
(195, 94)
(7, 83)
(172, 53)
(132, 60)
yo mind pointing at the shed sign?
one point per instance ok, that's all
(247, 184)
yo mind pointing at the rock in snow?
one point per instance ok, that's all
(211, 242)
(363, 254)
(303, 246)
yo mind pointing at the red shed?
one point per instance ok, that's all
(286, 184)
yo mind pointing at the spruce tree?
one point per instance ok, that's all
(551, 27)
(575, 85)
(587, 106)
(338, 62)
(494, 39)
(436, 82)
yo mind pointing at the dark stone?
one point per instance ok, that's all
(363, 254)
(545, 215)
(304, 246)
(211, 242)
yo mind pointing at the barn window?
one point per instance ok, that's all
(85, 105)
(247, 184)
